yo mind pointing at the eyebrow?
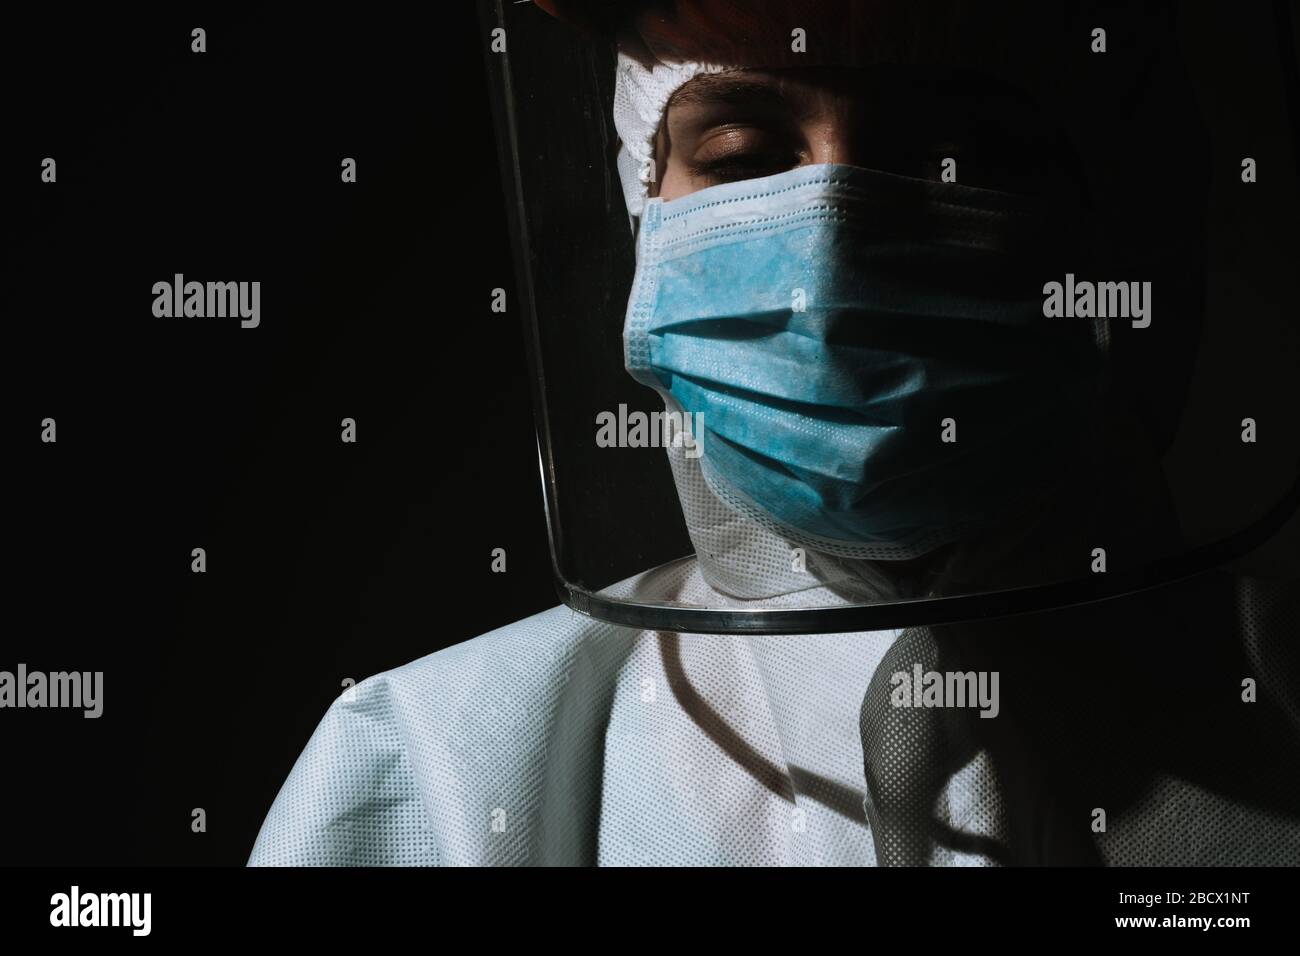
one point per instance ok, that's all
(729, 89)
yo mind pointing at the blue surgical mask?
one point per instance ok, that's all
(867, 353)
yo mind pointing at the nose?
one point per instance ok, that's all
(831, 141)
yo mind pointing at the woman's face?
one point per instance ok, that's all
(741, 125)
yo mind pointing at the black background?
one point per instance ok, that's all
(326, 560)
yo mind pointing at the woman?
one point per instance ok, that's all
(847, 217)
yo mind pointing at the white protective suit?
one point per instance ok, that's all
(564, 740)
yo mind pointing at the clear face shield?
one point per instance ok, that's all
(882, 315)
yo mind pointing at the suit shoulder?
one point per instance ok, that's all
(371, 786)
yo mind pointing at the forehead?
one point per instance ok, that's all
(881, 88)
